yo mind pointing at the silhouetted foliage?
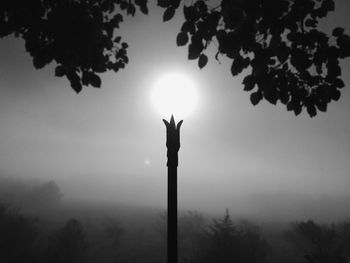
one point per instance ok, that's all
(161, 225)
(222, 241)
(19, 237)
(45, 195)
(68, 244)
(24, 239)
(113, 231)
(191, 228)
(229, 242)
(321, 243)
(30, 194)
(291, 61)
(77, 35)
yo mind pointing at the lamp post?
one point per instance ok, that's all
(173, 93)
(173, 146)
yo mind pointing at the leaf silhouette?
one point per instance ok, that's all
(311, 110)
(249, 83)
(95, 80)
(237, 65)
(256, 97)
(202, 61)
(168, 14)
(74, 81)
(338, 31)
(195, 48)
(291, 60)
(182, 39)
(59, 71)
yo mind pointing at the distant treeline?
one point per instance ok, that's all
(28, 239)
(36, 227)
(29, 194)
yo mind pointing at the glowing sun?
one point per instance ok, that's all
(174, 94)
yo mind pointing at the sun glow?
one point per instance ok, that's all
(174, 94)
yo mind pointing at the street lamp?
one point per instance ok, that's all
(173, 145)
(173, 94)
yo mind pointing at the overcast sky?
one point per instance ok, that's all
(109, 143)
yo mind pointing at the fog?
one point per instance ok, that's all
(50, 226)
(83, 177)
(107, 146)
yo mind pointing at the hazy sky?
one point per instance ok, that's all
(109, 143)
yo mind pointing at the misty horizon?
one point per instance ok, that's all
(96, 162)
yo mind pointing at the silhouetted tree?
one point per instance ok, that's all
(321, 243)
(227, 242)
(192, 227)
(19, 237)
(161, 225)
(113, 231)
(29, 194)
(68, 244)
(291, 61)
(45, 195)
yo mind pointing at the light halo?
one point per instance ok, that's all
(174, 94)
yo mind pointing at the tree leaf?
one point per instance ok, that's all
(337, 32)
(195, 48)
(192, 55)
(344, 44)
(237, 65)
(271, 95)
(284, 97)
(322, 106)
(335, 94)
(168, 14)
(297, 110)
(74, 81)
(95, 80)
(190, 13)
(249, 83)
(59, 71)
(188, 26)
(311, 110)
(202, 61)
(182, 39)
(256, 97)
(339, 83)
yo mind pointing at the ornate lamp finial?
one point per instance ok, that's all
(172, 140)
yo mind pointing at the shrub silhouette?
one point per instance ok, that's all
(327, 243)
(68, 244)
(227, 242)
(19, 237)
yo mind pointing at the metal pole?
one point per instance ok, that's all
(173, 145)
